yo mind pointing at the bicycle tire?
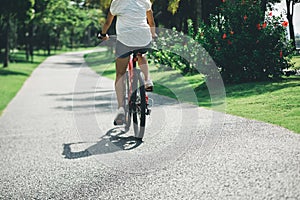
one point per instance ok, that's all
(139, 104)
(127, 106)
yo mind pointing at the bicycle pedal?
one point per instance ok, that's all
(150, 103)
(148, 111)
(149, 89)
(118, 122)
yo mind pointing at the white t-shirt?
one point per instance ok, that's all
(132, 27)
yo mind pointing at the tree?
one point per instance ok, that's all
(43, 24)
(174, 13)
(30, 28)
(246, 44)
(290, 12)
(245, 47)
(10, 12)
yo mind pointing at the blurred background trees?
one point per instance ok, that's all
(12, 13)
(46, 25)
(30, 25)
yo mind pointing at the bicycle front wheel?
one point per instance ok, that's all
(139, 105)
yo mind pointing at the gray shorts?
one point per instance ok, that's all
(123, 51)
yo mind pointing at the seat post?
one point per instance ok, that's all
(134, 59)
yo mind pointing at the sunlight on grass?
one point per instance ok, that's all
(169, 83)
(273, 102)
(296, 60)
(276, 103)
(102, 63)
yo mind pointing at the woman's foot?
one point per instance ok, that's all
(149, 85)
(120, 117)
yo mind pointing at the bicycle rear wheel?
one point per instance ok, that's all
(139, 104)
(127, 102)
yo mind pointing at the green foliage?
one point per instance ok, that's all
(173, 6)
(246, 45)
(174, 13)
(104, 4)
(296, 61)
(11, 12)
(16, 8)
(43, 24)
(175, 50)
(66, 24)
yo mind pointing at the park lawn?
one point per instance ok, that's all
(273, 102)
(296, 60)
(13, 77)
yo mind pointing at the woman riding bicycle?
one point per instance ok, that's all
(135, 29)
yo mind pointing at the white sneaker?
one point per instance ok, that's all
(120, 117)
(149, 85)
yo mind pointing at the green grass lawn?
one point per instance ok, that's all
(13, 77)
(273, 102)
(296, 60)
(276, 103)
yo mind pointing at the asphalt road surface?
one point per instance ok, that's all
(57, 141)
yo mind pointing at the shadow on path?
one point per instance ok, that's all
(112, 141)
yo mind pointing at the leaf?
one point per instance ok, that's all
(173, 6)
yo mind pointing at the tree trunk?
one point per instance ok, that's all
(264, 5)
(48, 45)
(199, 14)
(290, 13)
(292, 35)
(71, 38)
(31, 41)
(27, 50)
(26, 34)
(57, 40)
(89, 37)
(6, 52)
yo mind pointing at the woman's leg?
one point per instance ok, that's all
(142, 61)
(121, 65)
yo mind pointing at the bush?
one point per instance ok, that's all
(169, 50)
(175, 50)
(245, 44)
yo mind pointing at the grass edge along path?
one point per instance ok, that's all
(277, 103)
(13, 77)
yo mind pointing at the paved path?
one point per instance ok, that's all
(57, 142)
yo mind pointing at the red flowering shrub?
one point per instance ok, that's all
(245, 44)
